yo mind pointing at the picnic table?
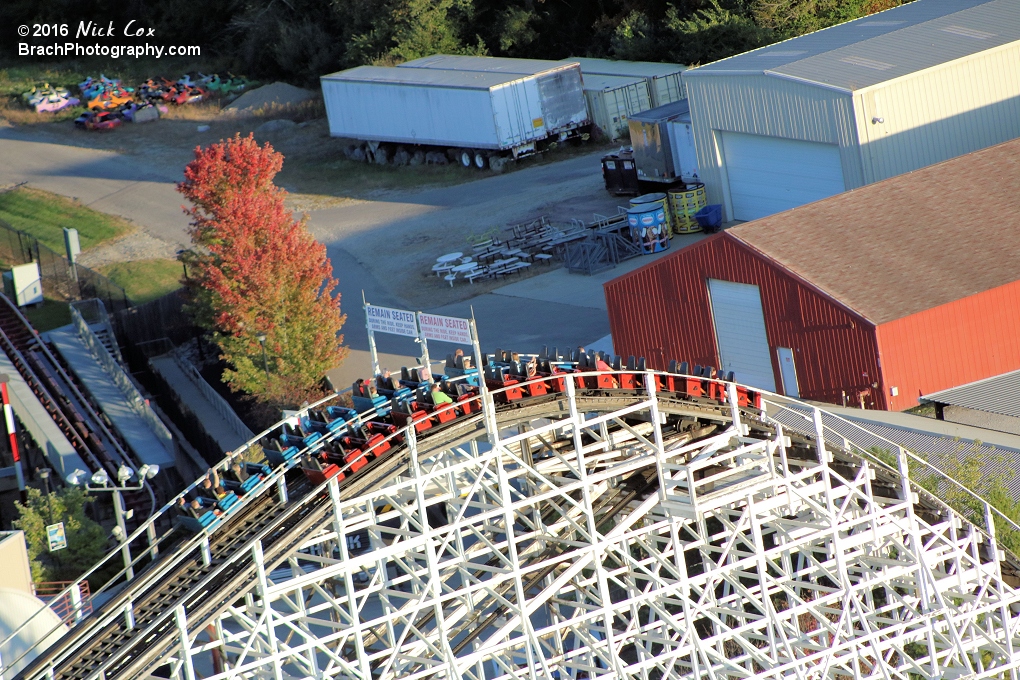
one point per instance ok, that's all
(449, 257)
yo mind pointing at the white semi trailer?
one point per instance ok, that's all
(479, 118)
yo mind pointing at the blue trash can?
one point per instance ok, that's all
(710, 218)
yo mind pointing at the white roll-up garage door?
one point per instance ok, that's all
(767, 175)
(740, 333)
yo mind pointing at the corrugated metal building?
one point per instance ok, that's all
(884, 293)
(664, 82)
(993, 403)
(810, 117)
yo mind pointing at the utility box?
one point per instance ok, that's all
(663, 143)
(71, 244)
(620, 174)
(23, 284)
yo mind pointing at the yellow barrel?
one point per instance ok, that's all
(660, 199)
(683, 205)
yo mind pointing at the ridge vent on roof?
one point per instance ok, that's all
(867, 63)
(782, 53)
(968, 32)
(883, 22)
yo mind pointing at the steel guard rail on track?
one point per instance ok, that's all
(109, 612)
(81, 398)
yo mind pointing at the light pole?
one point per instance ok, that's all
(184, 263)
(265, 363)
(44, 475)
(100, 482)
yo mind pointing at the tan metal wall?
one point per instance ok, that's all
(776, 107)
(666, 89)
(940, 113)
(611, 109)
(14, 564)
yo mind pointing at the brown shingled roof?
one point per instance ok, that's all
(908, 243)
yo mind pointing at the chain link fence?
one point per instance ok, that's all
(61, 280)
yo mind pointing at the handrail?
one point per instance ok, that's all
(125, 459)
(212, 396)
(123, 382)
(276, 475)
(279, 472)
(910, 456)
(94, 307)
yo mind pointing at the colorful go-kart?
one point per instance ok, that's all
(103, 91)
(98, 120)
(39, 95)
(188, 94)
(55, 103)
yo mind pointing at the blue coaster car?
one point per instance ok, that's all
(379, 403)
(277, 457)
(205, 522)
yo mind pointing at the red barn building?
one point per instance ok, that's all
(897, 289)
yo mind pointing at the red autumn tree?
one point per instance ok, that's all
(258, 272)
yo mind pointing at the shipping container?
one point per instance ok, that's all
(475, 111)
(663, 143)
(664, 82)
(560, 88)
(612, 100)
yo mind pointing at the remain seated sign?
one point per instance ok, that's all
(445, 328)
(388, 320)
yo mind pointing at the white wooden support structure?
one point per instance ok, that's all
(595, 537)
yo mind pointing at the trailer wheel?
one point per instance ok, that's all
(481, 160)
(498, 163)
(466, 158)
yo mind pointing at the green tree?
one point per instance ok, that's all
(789, 18)
(396, 31)
(516, 28)
(712, 33)
(261, 284)
(635, 38)
(86, 539)
(987, 476)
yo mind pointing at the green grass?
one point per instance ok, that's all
(44, 215)
(49, 315)
(145, 280)
(926, 410)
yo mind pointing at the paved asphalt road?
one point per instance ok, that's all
(125, 186)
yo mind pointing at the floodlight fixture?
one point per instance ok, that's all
(101, 478)
(124, 473)
(77, 477)
(148, 471)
